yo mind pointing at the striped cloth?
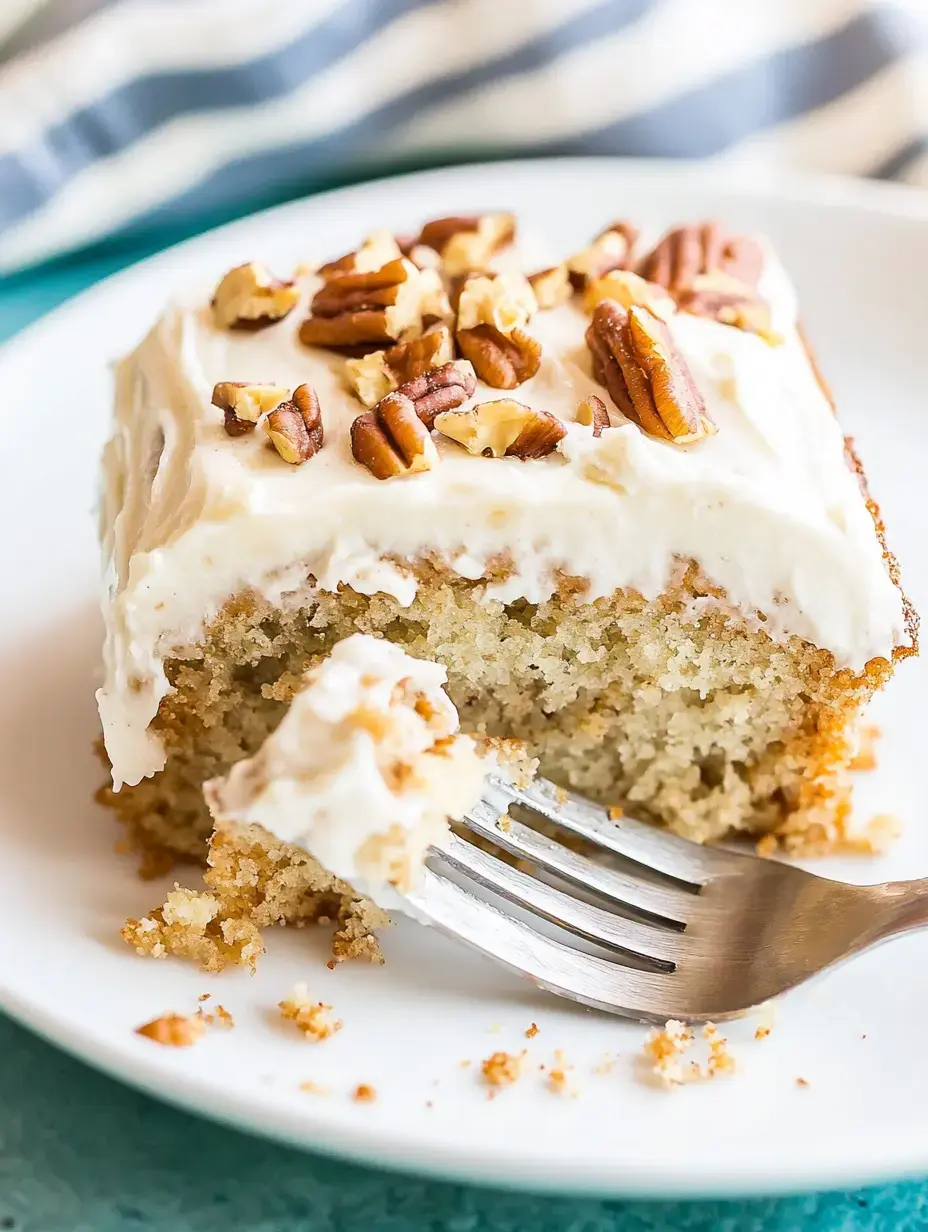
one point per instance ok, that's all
(128, 113)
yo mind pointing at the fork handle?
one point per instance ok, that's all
(902, 906)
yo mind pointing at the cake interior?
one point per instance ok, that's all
(709, 727)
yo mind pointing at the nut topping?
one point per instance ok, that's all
(441, 389)
(702, 248)
(627, 289)
(648, 379)
(503, 429)
(501, 360)
(505, 301)
(379, 373)
(243, 404)
(723, 298)
(378, 249)
(391, 440)
(467, 244)
(551, 286)
(250, 297)
(612, 249)
(374, 307)
(295, 427)
(592, 413)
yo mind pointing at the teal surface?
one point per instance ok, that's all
(81, 1153)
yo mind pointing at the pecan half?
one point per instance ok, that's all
(370, 308)
(441, 389)
(468, 243)
(379, 373)
(295, 427)
(648, 379)
(378, 249)
(701, 248)
(551, 286)
(250, 297)
(612, 249)
(723, 298)
(500, 360)
(592, 413)
(503, 429)
(627, 289)
(505, 301)
(243, 404)
(391, 440)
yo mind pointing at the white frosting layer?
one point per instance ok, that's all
(767, 506)
(364, 769)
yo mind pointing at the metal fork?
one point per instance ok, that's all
(691, 932)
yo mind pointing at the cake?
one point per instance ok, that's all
(607, 492)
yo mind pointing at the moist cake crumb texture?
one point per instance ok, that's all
(611, 503)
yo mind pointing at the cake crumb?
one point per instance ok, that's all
(504, 822)
(532, 1031)
(310, 1016)
(204, 996)
(173, 1030)
(766, 846)
(557, 1074)
(615, 813)
(465, 1063)
(364, 1094)
(865, 758)
(666, 1047)
(762, 1032)
(313, 1088)
(720, 1059)
(503, 1068)
(801, 1082)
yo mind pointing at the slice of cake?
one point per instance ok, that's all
(607, 493)
(333, 815)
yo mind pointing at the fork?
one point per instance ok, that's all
(691, 932)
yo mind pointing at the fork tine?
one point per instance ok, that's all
(623, 836)
(629, 937)
(666, 902)
(651, 996)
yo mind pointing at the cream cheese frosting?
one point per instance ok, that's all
(364, 769)
(767, 506)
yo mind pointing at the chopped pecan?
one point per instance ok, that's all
(626, 289)
(295, 427)
(592, 413)
(378, 249)
(701, 248)
(501, 360)
(441, 389)
(648, 379)
(723, 298)
(369, 308)
(468, 243)
(243, 404)
(612, 249)
(551, 286)
(505, 301)
(250, 297)
(380, 372)
(503, 429)
(391, 440)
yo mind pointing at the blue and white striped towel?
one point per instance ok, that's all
(116, 113)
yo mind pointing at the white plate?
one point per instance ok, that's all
(860, 256)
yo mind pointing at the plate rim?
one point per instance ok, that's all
(375, 1145)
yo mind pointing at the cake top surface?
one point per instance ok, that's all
(363, 770)
(753, 486)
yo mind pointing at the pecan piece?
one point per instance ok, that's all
(379, 373)
(378, 249)
(505, 301)
(503, 429)
(648, 379)
(243, 404)
(391, 440)
(250, 297)
(723, 298)
(551, 286)
(468, 243)
(368, 308)
(295, 427)
(441, 389)
(501, 360)
(612, 249)
(626, 289)
(701, 248)
(593, 414)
